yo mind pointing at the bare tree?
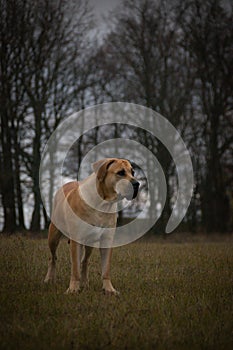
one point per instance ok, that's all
(12, 113)
(43, 72)
(143, 61)
(176, 58)
(209, 36)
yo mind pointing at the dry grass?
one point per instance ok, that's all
(173, 296)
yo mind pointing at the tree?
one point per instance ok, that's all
(143, 61)
(43, 72)
(209, 36)
(12, 114)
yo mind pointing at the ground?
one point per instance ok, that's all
(175, 294)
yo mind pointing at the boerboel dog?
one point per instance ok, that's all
(93, 201)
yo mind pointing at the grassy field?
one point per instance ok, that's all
(174, 295)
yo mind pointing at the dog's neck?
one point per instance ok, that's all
(96, 197)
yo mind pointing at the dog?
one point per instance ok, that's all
(90, 206)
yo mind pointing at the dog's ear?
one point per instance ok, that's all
(101, 166)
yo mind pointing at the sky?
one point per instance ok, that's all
(103, 6)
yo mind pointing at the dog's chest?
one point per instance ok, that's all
(100, 219)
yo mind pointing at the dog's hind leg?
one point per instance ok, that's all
(53, 241)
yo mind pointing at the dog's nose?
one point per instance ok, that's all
(135, 184)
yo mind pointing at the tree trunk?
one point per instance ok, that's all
(7, 178)
(19, 200)
(36, 215)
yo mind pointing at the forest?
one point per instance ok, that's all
(174, 57)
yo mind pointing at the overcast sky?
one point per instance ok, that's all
(100, 9)
(103, 6)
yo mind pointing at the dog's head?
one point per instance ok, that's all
(115, 179)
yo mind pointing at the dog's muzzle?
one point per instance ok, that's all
(127, 189)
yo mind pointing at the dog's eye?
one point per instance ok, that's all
(121, 173)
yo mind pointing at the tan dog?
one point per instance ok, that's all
(94, 205)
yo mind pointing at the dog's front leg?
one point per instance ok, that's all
(106, 254)
(75, 257)
(84, 267)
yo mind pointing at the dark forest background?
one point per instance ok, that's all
(175, 57)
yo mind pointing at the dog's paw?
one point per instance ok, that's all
(72, 291)
(111, 292)
(74, 288)
(108, 288)
(49, 280)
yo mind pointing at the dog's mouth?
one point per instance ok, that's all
(131, 193)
